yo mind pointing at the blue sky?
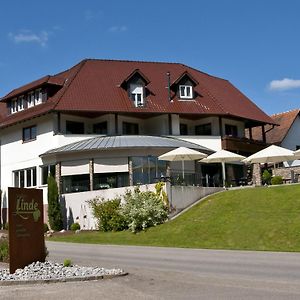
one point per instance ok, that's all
(254, 44)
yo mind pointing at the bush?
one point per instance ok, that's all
(143, 209)
(4, 250)
(276, 180)
(75, 226)
(54, 211)
(266, 176)
(107, 213)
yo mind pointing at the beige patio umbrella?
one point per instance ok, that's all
(223, 156)
(271, 154)
(182, 154)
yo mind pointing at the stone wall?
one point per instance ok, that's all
(292, 173)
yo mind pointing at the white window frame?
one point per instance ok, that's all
(184, 94)
(14, 106)
(30, 99)
(38, 97)
(26, 180)
(137, 94)
(21, 103)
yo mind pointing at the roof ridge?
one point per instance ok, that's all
(69, 81)
(285, 112)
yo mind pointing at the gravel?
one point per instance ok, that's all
(50, 271)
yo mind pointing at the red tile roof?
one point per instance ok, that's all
(277, 134)
(94, 85)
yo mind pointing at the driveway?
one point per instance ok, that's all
(171, 273)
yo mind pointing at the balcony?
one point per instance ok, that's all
(242, 145)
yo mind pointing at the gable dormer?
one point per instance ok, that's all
(135, 85)
(184, 86)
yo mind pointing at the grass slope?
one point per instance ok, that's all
(265, 218)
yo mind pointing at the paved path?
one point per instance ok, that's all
(169, 273)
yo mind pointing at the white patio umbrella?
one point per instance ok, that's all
(297, 154)
(223, 156)
(271, 154)
(182, 154)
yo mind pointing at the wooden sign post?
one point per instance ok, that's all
(26, 227)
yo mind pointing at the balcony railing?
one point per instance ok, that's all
(242, 145)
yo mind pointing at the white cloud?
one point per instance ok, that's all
(27, 36)
(284, 84)
(122, 28)
(90, 15)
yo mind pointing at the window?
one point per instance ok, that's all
(14, 106)
(147, 169)
(186, 92)
(183, 129)
(136, 94)
(74, 127)
(46, 171)
(25, 178)
(30, 100)
(297, 147)
(75, 183)
(100, 128)
(130, 128)
(38, 97)
(29, 133)
(20, 103)
(231, 130)
(203, 129)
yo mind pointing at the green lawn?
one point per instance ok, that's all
(264, 218)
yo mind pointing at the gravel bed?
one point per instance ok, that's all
(49, 271)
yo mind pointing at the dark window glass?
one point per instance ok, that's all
(183, 129)
(17, 178)
(110, 180)
(22, 179)
(46, 170)
(76, 183)
(231, 130)
(147, 169)
(28, 177)
(74, 127)
(34, 176)
(100, 128)
(29, 133)
(203, 129)
(297, 147)
(130, 128)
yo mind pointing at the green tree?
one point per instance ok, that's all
(54, 211)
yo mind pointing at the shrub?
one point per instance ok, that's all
(143, 209)
(4, 250)
(54, 211)
(46, 227)
(266, 176)
(276, 180)
(107, 213)
(67, 262)
(75, 226)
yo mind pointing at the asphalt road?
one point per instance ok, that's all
(170, 273)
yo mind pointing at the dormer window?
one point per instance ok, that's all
(186, 91)
(38, 97)
(137, 94)
(30, 99)
(20, 103)
(14, 106)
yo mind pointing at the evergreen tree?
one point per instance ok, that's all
(54, 211)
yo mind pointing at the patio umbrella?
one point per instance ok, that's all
(223, 156)
(271, 154)
(297, 154)
(182, 154)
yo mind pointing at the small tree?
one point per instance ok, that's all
(54, 211)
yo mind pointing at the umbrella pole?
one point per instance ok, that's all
(183, 169)
(223, 174)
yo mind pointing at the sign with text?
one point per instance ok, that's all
(26, 227)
